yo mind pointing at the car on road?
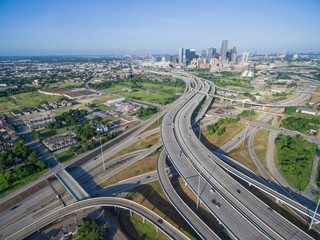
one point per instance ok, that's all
(148, 176)
(238, 191)
(212, 190)
(214, 202)
(160, 221)
(179, 155)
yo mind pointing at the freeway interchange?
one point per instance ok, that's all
(242, 214)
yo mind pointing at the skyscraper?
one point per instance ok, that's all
(203, 54)
(234, 55)
(180, 55)
(244, 59)
(224, 50)
(193, 54)
(209, 54)
(188, 56)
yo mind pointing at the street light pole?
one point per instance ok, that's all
(102, 158)
(199, 186)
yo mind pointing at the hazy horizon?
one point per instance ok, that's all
(41, 28)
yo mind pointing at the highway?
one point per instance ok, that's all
(194, 221)
(270, 225)
(152, 217)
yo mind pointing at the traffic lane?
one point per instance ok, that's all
(166, 227)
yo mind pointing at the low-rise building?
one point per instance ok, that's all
(58, 142)
(307, 110)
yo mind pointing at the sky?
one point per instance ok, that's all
(102, 27)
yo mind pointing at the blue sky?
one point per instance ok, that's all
(63, 27)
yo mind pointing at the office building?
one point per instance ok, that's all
(210, 53)
(188, 56)
(233, 55)
(193, 54)
(244, 59)
(224, 48)
(203, 54)
(180, 55)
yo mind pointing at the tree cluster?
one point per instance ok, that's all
(144, 113)
(300, 124)
(91, 230)
(247, 113)
(29, 163)
(72, 117)
(295, 157)
(213, 128)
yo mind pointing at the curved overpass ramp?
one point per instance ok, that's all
(165, 227)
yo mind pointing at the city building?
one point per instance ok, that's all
(210, 54)
(224, 48)
(180, 55)
(244, 59)
(188, 56)
(233, 55)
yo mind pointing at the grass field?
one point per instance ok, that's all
(261, 145)
(51, 132)
(22, 100)
(152, 140)
(102, 99)
(151, 196)
(241, 154)
(64, 85)
(213, 142)
(145, 165)
(154, 125)
(155, 93)
(4, 190)
(64, 156)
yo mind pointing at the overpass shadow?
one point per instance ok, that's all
(149, 196)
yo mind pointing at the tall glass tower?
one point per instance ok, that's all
(224, 48)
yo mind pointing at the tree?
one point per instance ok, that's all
(91, 230)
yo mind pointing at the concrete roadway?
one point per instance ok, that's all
(236, 226)
(194, 150)
(272, 225)
(166, 227)
(194, 221)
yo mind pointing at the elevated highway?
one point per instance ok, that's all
(187, 153)
(165, 227)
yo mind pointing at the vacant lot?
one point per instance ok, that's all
(213, 142)
(261, 146)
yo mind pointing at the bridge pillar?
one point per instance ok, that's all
(118, 212)
(131, 213)
(250, 184)
(115, 209)
(243, 104)
(144, 220)
(277, 200)
(157, 229)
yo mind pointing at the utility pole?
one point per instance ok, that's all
(102, 158)
(245, 134)
(158, 115)
(199, 186)
(314, 215)
(199, 130)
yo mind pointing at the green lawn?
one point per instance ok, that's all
(7, 104)
(51, 132)
(29, 99)
(103, 108)
(64, 85)
(65, 156)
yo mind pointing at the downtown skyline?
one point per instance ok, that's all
(133, 27)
